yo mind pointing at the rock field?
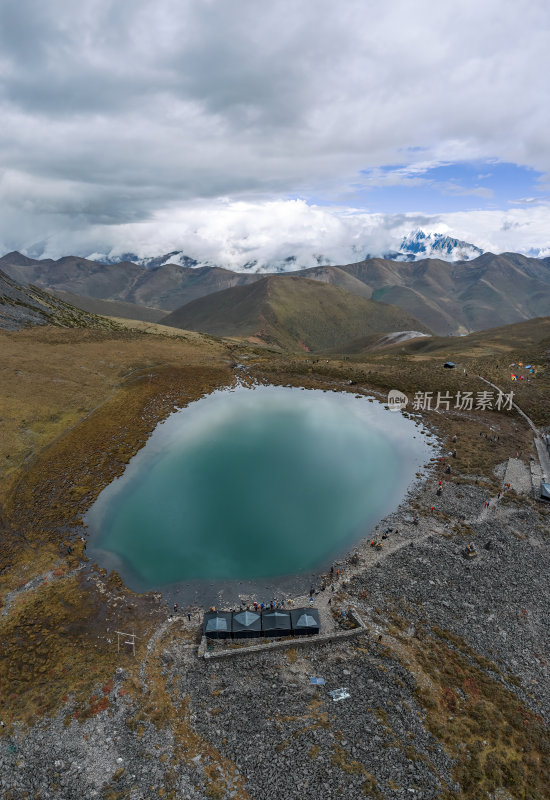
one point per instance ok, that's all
(253, 726)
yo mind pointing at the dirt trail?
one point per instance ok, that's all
(542, 452)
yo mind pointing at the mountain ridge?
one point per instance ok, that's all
(292, 313)
(448, 297)
(25, 306)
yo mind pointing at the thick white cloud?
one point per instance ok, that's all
(524, 230)
(130, 112)
(246, 235)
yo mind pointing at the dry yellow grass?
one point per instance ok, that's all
(53, 377)
(160, 330)
(77, 404)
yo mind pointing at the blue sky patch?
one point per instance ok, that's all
(438, 188)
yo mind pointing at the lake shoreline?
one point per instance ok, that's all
(207, 592)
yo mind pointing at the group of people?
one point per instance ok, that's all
(273, 605)
(378, 545)
(287, 604)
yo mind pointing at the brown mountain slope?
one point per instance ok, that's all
(75, 275)
(291, 313)
(171, 286)
(24, 306)
(453, 297)
(448, 298)
(336, 276)
(166, 288)
(110, 308)
(528, 337)
(460, 297)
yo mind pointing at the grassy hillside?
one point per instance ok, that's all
(520, 338)
(489, 353)
(451, 298)
(110, 308)
(164, 287)
(292, 313)
(23, 306)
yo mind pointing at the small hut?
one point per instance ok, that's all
(276, 623)
(217, 625)
(305, 621)
(246, 625)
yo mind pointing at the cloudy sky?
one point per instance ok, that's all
(240, 131)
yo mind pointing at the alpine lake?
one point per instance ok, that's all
(254, 492)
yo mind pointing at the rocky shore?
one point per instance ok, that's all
(448, 685)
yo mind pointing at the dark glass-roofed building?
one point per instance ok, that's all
(276, 623)
(305, 621)
(246, 624)
(217, 625)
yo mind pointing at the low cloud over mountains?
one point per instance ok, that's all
(196, 126)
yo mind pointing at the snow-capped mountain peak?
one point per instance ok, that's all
(418, 244)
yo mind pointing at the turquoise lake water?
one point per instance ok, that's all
(249, 484)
